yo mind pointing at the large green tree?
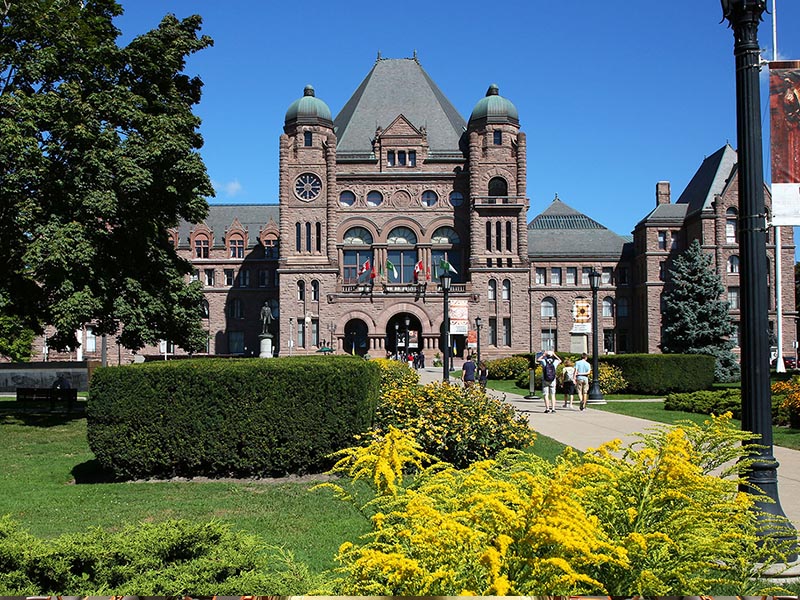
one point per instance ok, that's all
(98, 158)
(696, 319)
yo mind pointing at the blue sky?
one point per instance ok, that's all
(614, 96)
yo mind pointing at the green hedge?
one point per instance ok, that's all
(717, 402)
(664, 373)
(223, 417)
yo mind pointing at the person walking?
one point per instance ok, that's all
(549, 361)
(468, 372)
(568, 382)
(582, 370)
(483, 375)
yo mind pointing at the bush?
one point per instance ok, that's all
(455, 424)
(649, 519)
(718, 402)
(222, 417)
(664, 373)
(396, 373)
(174, 558)
(510, 367)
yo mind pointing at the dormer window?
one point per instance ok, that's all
(236, 246)
(390, 158)
(412, 158)
(201, 246)
(401, 158)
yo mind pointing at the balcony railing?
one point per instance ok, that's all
(498, 200)
(400, 288)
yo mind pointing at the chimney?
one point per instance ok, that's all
(662, 193)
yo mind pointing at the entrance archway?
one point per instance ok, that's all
(401, 336)
(356, 339)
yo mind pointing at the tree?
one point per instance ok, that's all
(696, 320)
(99, 154)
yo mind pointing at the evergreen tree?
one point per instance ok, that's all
(99, 154)
(696, 320)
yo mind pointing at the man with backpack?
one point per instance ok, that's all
(549, 361)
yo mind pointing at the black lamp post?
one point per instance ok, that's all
(743, 17)
(478, 324)
(595, 395)
(408, 334)
(446, 279)
(397, 339)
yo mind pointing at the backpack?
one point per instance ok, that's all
(549, 373)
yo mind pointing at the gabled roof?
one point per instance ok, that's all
(562, 231)
(391, 88)
(664, 213)
(253, 217)
(709, 180)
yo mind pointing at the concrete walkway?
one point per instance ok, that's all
(590, 428)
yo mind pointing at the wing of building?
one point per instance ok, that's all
(375, 202)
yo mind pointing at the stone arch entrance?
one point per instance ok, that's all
(356, 338)
(403, 334)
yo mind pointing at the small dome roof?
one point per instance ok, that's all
(493, 108)
(308, 109)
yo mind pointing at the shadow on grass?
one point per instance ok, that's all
(38, 417)
(92, 472)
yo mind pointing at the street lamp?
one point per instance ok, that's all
(743, 17)
(291, 339)
(397, 339)
(478, 324)
(594, 389)
(408, 334)
(446, 279)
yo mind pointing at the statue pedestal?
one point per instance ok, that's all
(266, 345)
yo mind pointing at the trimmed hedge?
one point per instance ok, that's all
(664, 373)
(718, 402)
(222, 417)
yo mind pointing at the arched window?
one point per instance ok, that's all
(498, 187)
(236, 245)
(608, 307)
(205, 308)
(201, 246)
(506, 289)
(488, 236)
(374, 198)
(445, 235)
(548, 309)
(358, 249)
(491, 294)
(301, 290)
(402, 253)
(508, 236)
(308, 236)
(318, 238)
(298, 237)
(622, 307)
(731, 216)
(347, 198)
(733, 264)
(315, 290)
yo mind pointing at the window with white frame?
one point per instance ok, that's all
(572, 275)
(315, 290)
(548, 339)
(91, 340)
(606, 275)
(733, 264)
(493, 331)
(236, 246)
(541, 276)
(506, 289)
(229, 277)
(506, 331)
(733, 298)
(491, 293)
(555, 276)
(301, 290)
(731, 216)
(662, 240)
(608, 306)
(585, 275)
(209, 274)
(548, 308)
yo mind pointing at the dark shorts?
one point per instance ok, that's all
(569, 387)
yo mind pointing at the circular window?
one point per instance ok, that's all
(456, 198)
(429, 198)
(347, 198)
(307, 186)
(374, 199)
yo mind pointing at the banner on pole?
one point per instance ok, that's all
(784, 108)
(582, 314)
(472, 338)
(459, 316)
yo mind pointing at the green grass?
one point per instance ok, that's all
(654, 411)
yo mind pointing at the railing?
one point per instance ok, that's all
(400, 288)
(498, 200)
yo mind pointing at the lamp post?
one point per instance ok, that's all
(291, 339)
(397, 339)
(408, 335)
(595, 395)
(743, 17)
(446, 279)
(478, 324)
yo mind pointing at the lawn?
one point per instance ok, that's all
(654, 411)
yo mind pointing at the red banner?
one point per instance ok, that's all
(784, 103)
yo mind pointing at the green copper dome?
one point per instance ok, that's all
(493, 108)
(308, 110)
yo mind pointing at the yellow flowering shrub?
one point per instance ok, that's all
(646, 519)
(396, 373)
(790, 392)
(455, 424)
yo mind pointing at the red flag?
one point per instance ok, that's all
(419, 267)
(365, 272)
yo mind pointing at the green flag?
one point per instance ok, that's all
(390, 268)
(446, 267)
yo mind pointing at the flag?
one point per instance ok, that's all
(390, 268)
(366, 272)
(419, 267)
(446, 267)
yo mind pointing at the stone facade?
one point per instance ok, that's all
(399, 180)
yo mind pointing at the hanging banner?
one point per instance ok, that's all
(784, 108)
(472, 338)
(413, 339)
(582, 313)
(459, 316)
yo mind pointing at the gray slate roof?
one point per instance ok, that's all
(709, 180)
(667, 213)
(560, 231)
(253, 218)
(394, 87)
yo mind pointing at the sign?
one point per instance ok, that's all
(413, 338)
(472, 339)
(459, 316)
(784, 109)
(582, 315)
